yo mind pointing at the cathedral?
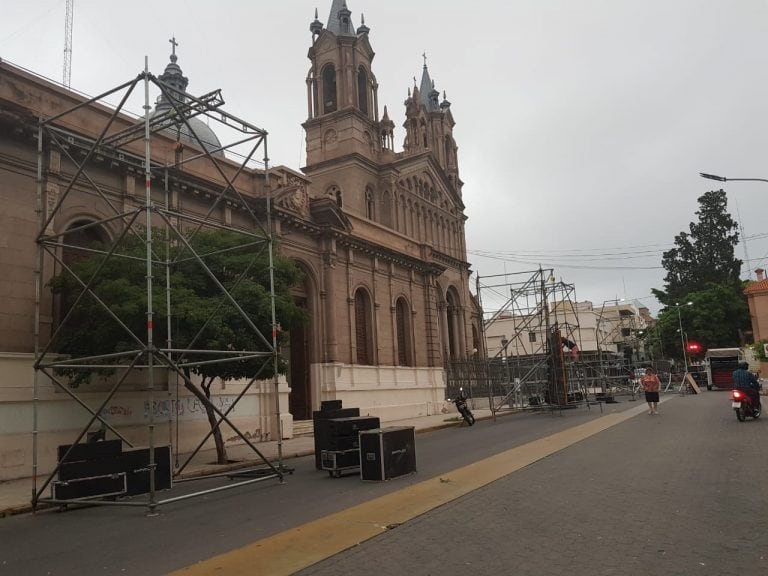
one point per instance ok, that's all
(378, 233)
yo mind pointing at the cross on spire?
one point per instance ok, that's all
(424, 55)
(173, 44)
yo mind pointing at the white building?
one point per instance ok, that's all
(613, 327)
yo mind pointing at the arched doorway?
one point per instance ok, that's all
(300, 354)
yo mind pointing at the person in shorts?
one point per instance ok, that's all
(651, 384)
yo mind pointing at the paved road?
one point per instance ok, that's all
(651, 495)
(683, 493)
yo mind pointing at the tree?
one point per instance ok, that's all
(204, 319)
(702, 269)
(703, 255)
(715, 319)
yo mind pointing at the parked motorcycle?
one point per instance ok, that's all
(461, 406)
(743, 405)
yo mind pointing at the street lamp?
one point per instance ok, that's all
(682, 337)
(724, 179)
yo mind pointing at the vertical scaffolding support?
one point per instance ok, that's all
(275, 351)
(150, 348)
(38, 297)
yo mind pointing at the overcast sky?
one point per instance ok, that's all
(582, 125)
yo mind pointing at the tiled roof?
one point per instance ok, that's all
(758, 286)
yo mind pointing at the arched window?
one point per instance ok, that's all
(370, 205)
(79, 235)
(363, 335)
(386, 209)
(403, 327)
(452, 318)
(448, 151)
(329, 89)
(362, 90)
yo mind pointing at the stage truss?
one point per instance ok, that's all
(156, 223)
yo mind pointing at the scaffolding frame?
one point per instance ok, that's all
(541, 376)
(140, 221)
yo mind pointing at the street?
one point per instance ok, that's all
(678, 493)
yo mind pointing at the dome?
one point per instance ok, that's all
(174, 78)
(204, 132)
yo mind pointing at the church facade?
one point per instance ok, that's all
(387, 273)
(378, 233)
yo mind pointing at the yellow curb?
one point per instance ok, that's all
(297, 548)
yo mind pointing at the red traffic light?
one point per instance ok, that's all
(693, 347)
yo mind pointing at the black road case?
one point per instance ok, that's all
(337, 461)
(387, 453)
(321, 427)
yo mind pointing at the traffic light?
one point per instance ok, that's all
(693, 348)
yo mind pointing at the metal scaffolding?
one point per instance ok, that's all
(156, 223)
(535, 370)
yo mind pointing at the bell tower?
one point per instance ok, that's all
(342, 92)
(429, 126)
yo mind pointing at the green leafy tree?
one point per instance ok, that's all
(203, 318)
(705, 254)
(715, 319)
(702, 268)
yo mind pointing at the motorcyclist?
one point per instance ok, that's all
(747, 382)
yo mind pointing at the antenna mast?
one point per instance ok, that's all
(68, 43)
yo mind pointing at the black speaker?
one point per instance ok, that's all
(351, 426)
(321, 426)
(327, 405)
(344, 442)
(104, 469)
(387, 453)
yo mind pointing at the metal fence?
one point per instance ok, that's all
(536, 382)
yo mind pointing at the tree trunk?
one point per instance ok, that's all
(204, 396)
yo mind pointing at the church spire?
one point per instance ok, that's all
(363, 29)
(429, 96)
(339, 20)
(173, 77)
(316, 26)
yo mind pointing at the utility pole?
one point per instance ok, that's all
(68, 19)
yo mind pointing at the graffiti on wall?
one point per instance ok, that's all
(186, 407)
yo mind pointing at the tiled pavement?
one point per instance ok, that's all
(682, 493)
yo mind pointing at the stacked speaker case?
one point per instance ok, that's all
(387, 453)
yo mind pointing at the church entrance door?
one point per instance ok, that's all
(300, 398)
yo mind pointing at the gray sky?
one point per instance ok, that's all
(581, 125)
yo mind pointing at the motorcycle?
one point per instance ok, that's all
(461, 406)
(743, 405)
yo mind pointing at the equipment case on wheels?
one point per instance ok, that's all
(338, 461)
(387, 453)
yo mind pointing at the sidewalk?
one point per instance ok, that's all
(16, 495)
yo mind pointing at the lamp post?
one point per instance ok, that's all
(724, 179)
(682, 336)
